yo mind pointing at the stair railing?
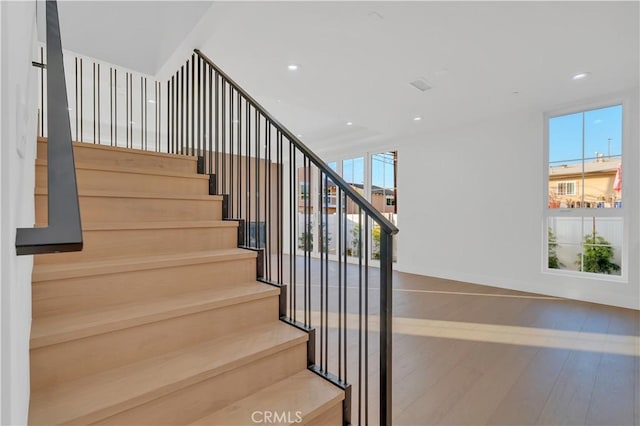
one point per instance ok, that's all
(286, 199)
(64, 230)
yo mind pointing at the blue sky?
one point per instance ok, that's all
(566, 139)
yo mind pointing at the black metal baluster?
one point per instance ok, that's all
(115, 107)
(111, 103)
(248, 173)
(345, 290)
(170, 105)
(265, 195)
(366, 320)
(217, 135)
(127, 106)
(231, 140)
(305, 235)
(77, 110)
(386, 315)
(293, 235)
(239, 158)
(279, 189)
(308, 168)
(143, 123)
(257, 180)
(159, 114)
(223, 102)
(193, 108)
(211, 123)
(187, 149)
(93, 100)
(320, 243)
(325, 248)
(339, 253)
(199, 106)
(42, 111)
(145, 109)
(182, 112)
(173, 106)
(268, 194)
(81, 105)
(99, 116)
(359, 314)
(131, 123)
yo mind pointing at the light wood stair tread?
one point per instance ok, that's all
(104, 147)
(121, 194)
(108, 226)
(87, 165)
(62, 328)
(95, 397)
(47, 272)
(304, 392)
(116, 226)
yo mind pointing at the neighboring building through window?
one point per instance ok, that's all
(584, 214)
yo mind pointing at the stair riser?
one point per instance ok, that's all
(70, 360)
(194, 402)
(85, 293)
(111, 180)
(105, 244)
(126, 209)
(331, 417)
(134, 159)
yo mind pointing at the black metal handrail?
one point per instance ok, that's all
(384, 223)
(276, 187)
(64, 230)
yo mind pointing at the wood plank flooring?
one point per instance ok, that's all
(526, 360)
(467, 354)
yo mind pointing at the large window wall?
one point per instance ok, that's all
(372, 175)
(584, 206)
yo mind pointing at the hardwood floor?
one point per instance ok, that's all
(466, 354)
(510, 358)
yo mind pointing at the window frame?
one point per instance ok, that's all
(566, 182)
(582, 212)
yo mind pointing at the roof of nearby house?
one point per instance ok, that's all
(600, 166)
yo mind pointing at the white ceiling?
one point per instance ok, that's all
(139, 35)
(357, 58)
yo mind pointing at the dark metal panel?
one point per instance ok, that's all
(64, 232)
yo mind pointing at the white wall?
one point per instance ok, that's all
(470, 209)
(18, 108)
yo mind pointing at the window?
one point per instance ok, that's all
(304, 190)
(566, 188)
(584, 216)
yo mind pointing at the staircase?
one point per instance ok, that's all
(160, 319)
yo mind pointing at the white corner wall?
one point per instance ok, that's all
(470, 209)
(18, 116)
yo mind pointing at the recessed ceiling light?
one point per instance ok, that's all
(151, 101)
(292, 67)
(417, 118)
(580, 76)
(349, 123)
(421, 84)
